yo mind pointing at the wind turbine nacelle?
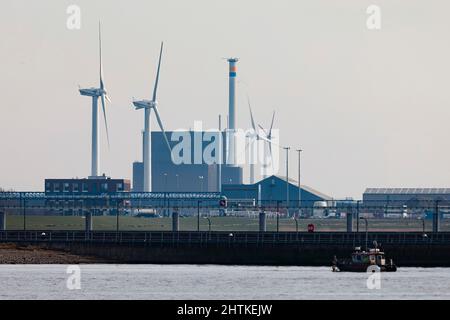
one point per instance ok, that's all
(141, 104)
(144, 104)
(91, 92)
(252, 135)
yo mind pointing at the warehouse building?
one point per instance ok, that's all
(273, 190)
(409, 197)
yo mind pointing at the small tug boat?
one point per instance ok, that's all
(362, 260)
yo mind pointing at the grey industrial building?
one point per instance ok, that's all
(186, 177)
(410, 197)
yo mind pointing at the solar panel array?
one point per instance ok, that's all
(407, 191)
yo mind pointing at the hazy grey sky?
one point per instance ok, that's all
(370, 108)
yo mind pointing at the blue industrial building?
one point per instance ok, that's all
(273, 190)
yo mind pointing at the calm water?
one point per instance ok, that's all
(217, 282)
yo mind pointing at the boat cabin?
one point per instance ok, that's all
(373, 257)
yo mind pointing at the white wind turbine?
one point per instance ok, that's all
(268, 138)
(96, 93)
(148, 105)
(253, 137)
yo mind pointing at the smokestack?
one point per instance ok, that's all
(232, 112)
(232, 96)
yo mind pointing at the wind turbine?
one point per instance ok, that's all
(268, 138)
(96, 93)
(148, 105)
(253, 136)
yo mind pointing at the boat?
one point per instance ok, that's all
(364, 261)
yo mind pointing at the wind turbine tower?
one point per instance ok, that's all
(96, 93)
(148, 105)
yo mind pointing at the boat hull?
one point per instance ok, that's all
(351, 267)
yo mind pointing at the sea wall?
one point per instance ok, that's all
(295, 255)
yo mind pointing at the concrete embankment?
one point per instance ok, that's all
(304, 255)
(244, 248)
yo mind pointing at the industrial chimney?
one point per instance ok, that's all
(231, 159)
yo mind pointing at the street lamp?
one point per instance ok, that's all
(165, 181)
(209, 224)
(299, 183)
(367, 229)
(287, 179)
(278, 216)
(178, 182)
(423, 228)
(198, 215)
(24, 215)
(296, 228)
(117, 215)
(201, 183)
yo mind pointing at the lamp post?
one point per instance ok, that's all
(278, 216)
(165, 181)
(424, 235)
(198, 215)
(209, 224)
(24, 215)
(287, 179)
(367, 230)
(201, 182)
(299, 183)
(117, 216)
(296, 228)
(423, 226)
(209, 227)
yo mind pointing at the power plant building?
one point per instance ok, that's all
(194, 174)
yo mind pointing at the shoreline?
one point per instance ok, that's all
(11, 254)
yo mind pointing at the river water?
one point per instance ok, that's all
(216, 282)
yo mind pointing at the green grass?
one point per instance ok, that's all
(104, 223)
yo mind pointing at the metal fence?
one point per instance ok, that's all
(236, 238)
(206, 211)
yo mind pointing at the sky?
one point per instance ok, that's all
(370, 108)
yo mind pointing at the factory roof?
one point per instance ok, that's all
(407, 191)
(305, 187)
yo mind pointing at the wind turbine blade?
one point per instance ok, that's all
(271, 125)
(158, 118)
(102, 86)
(270, 141)
(104, 117)
(265, 139)
(264, 130)
(251, 114)
(107, 98)
(155, 89)
(271, 158)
